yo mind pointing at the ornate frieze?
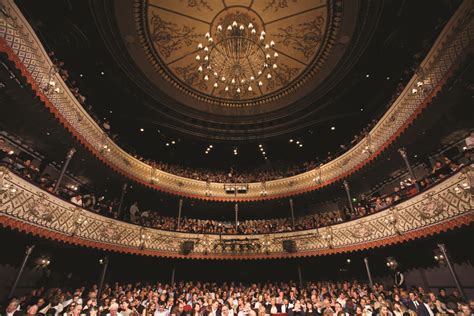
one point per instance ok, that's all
(442, 207)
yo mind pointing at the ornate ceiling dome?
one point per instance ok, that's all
(303, 35)
(236, 69)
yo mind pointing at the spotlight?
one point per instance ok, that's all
(142, 129)
(439, 257)
(333, 128)
(43, 262)
(392, 263)
(367, 75)
(291, 140)
(348, 260)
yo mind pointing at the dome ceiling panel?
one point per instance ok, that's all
(156, 43)
(174, 30)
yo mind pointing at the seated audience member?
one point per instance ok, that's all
(77, 200)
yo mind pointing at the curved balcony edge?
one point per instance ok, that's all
(27, 208)
(23, 48)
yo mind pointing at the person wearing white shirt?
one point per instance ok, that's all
(13, 308)
(161, 311)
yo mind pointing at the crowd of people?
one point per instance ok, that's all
(237, 299)
(109, 207)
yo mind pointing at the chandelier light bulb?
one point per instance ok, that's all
(237, 57)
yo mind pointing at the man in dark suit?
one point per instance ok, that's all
(412, 304)
(423, 308)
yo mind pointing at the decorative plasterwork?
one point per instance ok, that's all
(304, 33)
(25, 207)
(20, 43)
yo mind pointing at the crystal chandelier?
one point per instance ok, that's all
(238, 60)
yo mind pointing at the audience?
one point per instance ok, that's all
(365, 205)
(230, 298)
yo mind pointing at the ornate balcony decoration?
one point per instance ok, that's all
(57, 219)
(24, 49)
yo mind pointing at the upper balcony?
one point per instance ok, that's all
(22, 46)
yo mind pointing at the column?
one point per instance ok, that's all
(442, 248)
(105, 263)
(180, 207)
(404, 155)
(366, 261)
(122, 196)
(292, 211)
(69, 156)
(348, 192)
(28, 252)
(236, 215)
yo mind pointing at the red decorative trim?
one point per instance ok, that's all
(14, 224)
(29, 79)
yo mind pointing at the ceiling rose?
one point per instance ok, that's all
(237, 52)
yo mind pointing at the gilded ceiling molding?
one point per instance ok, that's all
(303, 38)
(27, 208)
(24, 49)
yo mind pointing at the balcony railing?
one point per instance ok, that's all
(25, 207)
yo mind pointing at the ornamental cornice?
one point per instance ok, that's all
(25, 207)
(20, 43)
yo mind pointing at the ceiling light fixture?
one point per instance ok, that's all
(237, 59)
(142, 129)
(333, 128)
